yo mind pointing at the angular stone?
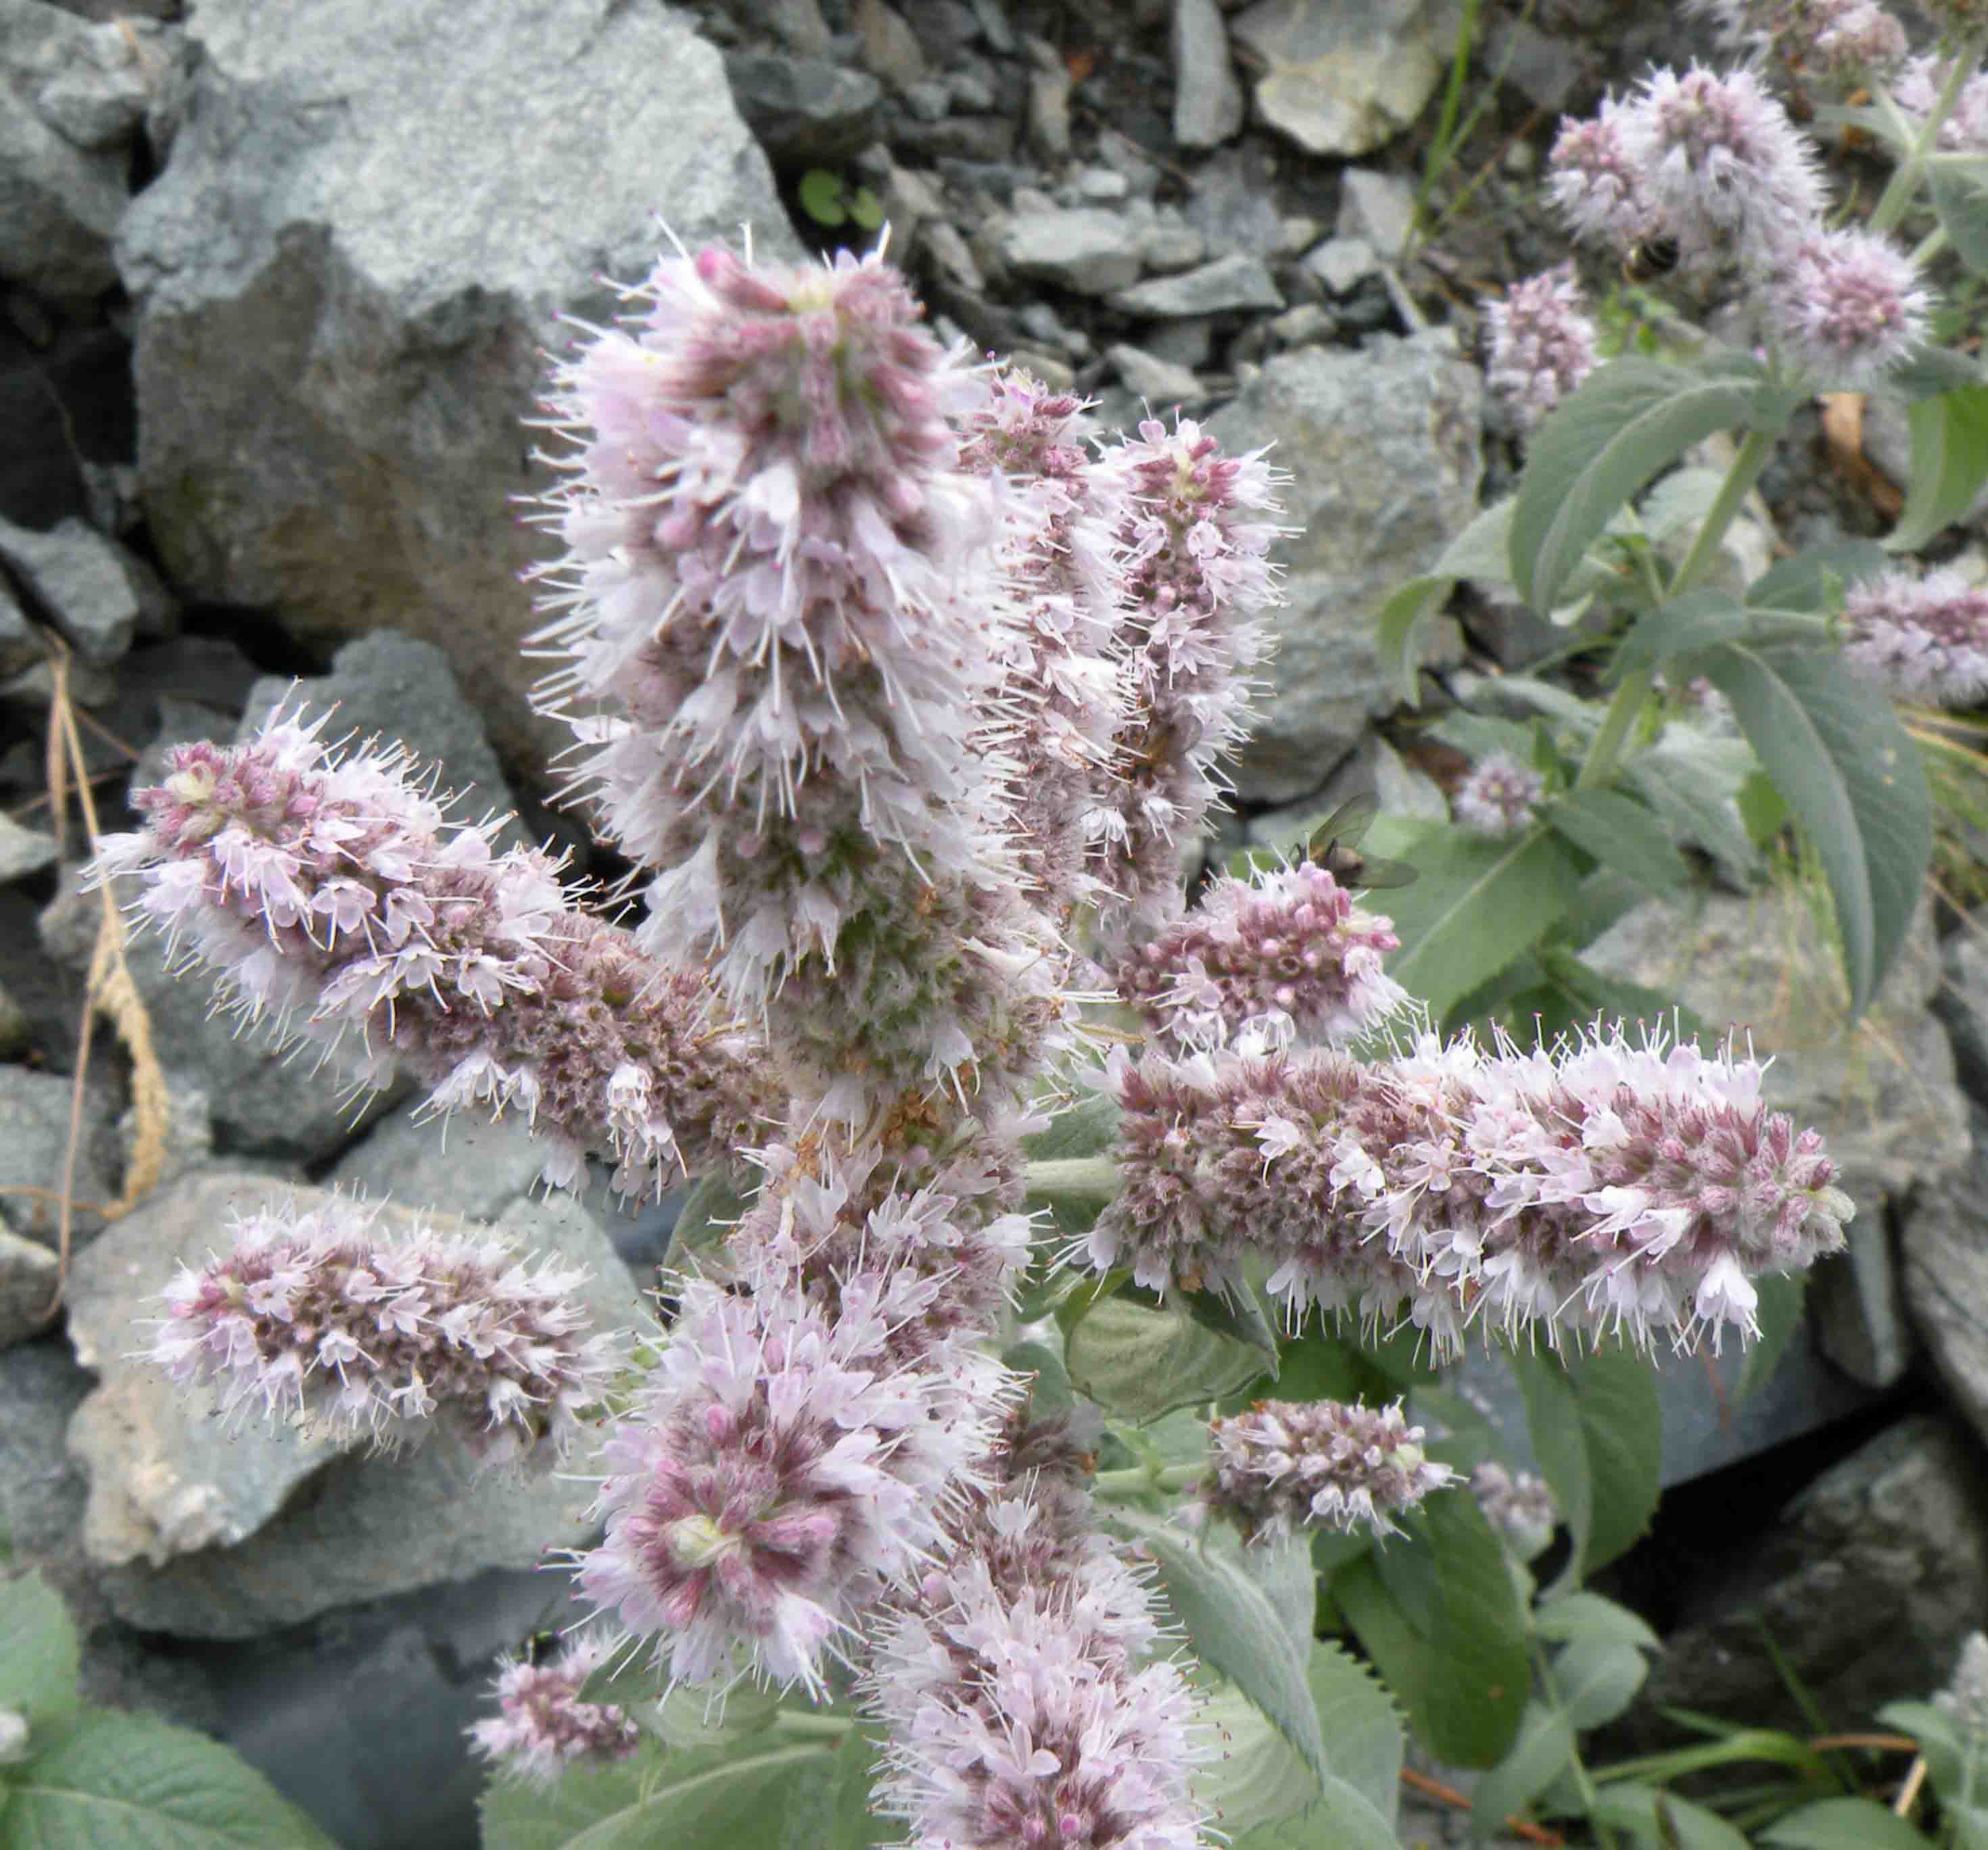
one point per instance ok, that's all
(1943, 1248)
(1161, 384)
(23, 851)
(1382, 447)
(28, 1299)
(804, 110)
(60, 204)
(342, 310)
(1345, 76)
(1237, 281)
(99, 596)
(89, 83)
(34, 1133)
(203, 1535)
(1082, 248)
(1376, 208)
(1208, 100)
(1864, 1585)
(19, 647)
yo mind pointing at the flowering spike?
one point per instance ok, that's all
(1923, 638)
(331, 896)
(1848, 307)
(1287, 1466)
(312, 1312)
(1542, 346)
(543, 1727)
(1496, 799)
(1289, 943)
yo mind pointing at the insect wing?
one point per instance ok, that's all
(1333, 848)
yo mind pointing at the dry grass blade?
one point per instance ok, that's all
(109, 992)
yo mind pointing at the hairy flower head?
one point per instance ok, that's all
(542, 1726)
(1497, 798)
(1542, 346)
(1848, 307)
(1923, 638)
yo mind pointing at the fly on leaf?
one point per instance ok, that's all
(1332, 846)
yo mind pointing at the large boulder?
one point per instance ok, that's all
(348, 274)
(1382, 448)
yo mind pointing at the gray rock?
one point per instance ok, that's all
(1162, 384)
(1168, 249)
(42, 1490)
(1049, 88)
(203, 1536)
(34, 1133)
(929, 100)
(28, 1297)
(19, 647)
(798, 25)
(1865, 1582)
(1345, 77)
(469, 1166)
(1375, 208)
(59, 205)
(804, 110)
(398, 261)
(1943, 1248)
(889, 47)
(1100, 186)
(1382, 447)
(1237, 281)
(99, 596)
(392, 687)
(89, 83)
(23, 851)
(1882, 1093)
(1208, 100)
(1084, 247)
(1302, 325)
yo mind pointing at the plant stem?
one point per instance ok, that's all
(1137, 1480)
(1606, 752)
(1929, 246)
(823, 1727)
(1905, 177)
(1086, 1178)
(1584, 1782)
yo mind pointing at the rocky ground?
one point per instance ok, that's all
(276, 281)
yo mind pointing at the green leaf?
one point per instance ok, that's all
(1233, 1626)
(1803, 581)
(1340, 1817)
(1591, 993)
(38, 1655)
(706, 1222)
(1140, 1363)
(1545, 1744)
(834, 1814)
(1567, 1616)
(1959, 186)
(1089, 1127)
(1949, 463)
(1596, 1430)
(1683, 1826)
(1843, 1824)
(1839, 756)
(716, 1800)
(1596, 1678)
(1780, 1313)
(1259, 1778)
(1946, 1755)
(1239, 1315)
(1475, 906)
(1050, 1392)
(1693, 622)
(1620, 833)
(865, 208)
(1461, 1670)
(1481, 551)
(1692, 781)
(821, 194)
(109, 1780)
(687, 1718)
(1595, 452)
(1930, 370)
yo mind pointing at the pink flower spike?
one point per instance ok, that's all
(1542, 346)
(543, 1727)
(1848, 308)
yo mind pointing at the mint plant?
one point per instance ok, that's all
(1057, 1322)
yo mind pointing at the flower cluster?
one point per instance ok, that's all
(1923, 638)
(1521, 1506)
(1841, 42)
(1496, 799)
(1288, 1465)
(1596, 1189)
(1542, 346)
(1023, 1701)
(332, 894)
(1964, 128)
(815, 1414)
(542, 1726)
(315, 1312)
(1711, 167)
(1196, 540)
(1964, 1699)
(1288, 946)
